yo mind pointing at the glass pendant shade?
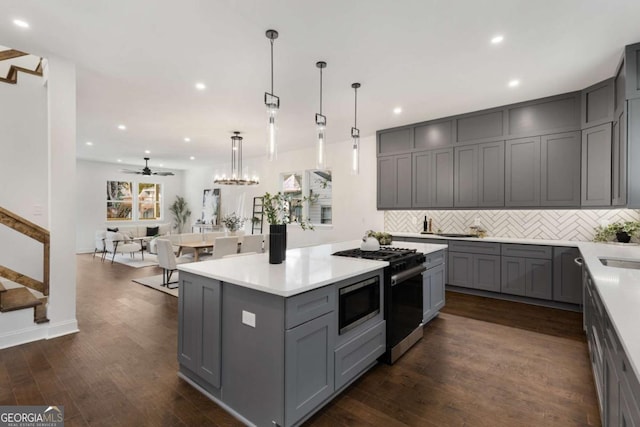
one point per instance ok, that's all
(355, 151)
(272, 103)
(321, 128)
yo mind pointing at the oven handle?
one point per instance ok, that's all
(407, 274)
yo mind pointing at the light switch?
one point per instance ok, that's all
(249, 318)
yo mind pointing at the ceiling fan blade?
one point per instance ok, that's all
(130, 171)
(164, 173)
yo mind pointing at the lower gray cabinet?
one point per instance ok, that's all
(530, 277)
(611, 390)
(356, 355)
(309, 366)
(199, 315)
(433, 292)
(567, 276)
(486, 272)
(461, 269)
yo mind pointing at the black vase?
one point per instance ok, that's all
(623, 237)
(277, 243)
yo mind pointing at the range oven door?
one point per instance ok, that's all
(405, 304)
(358, 303)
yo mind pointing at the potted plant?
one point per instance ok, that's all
(276, 210)
(181, 213)
(623, 231)
(233, 223)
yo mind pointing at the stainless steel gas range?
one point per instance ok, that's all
(402, 298)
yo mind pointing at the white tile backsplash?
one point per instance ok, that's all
(568, 224)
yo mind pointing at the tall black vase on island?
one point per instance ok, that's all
(277, 243)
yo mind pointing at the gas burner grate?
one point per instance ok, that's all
(384, 254)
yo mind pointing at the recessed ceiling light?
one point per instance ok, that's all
(397, 110)
(122, 127)
(119, 160)
(497, 39)
(187, 139)
(147, 152)
(89, 143)
(192, 158)
(20, 23)
(201, 86)
(161, 165)
(514, 83)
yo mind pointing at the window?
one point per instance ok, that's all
(309, 195)
(120, 206)
(119, 201)
(148, 201)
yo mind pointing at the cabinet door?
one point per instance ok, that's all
(539, 274)
(513, 276)
(619, 156)
(309, 366)
(466, 176)
(461, 269)
(427, 310)
(632, 60)
(442, 178)
(567, 276)
(394, 181)
(199, 336)
(560, 169)
(611, 390)
(491, 174)
(422, 180)
(629, 411)
(486, 272)
(432, 292)
(596, 166)
(522, 172)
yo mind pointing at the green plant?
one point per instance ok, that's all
(181, 213)
(233, 222)
(276, 209)
(606, 233)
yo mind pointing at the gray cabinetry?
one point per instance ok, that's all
(513, 276)
(567, 276)
(539, 278)
(527, 271)
(356, 355)
(433, 179)
(394, 182)
(474, 265)
(596, 166)
(491, 174)
(460, 269)
(598, 103)
(466, 176)
(522, 172)
(619, 160)
(433, 294)
(395, 141)
(632, 59)
(486, 272)
(199, 340)
(560, 169)
(633, 152)
(309, 368)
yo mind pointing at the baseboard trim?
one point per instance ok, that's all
(62, 328)
(23, 336)
(515, 298)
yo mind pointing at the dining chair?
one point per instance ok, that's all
(225, 246)
(166, 260)
(252, 243)
(116, 243)
(99, 243)
(212, 235)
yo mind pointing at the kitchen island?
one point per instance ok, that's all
(262, 340)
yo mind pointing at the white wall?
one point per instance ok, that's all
(91, 182)
(354, 197)
(24, 169)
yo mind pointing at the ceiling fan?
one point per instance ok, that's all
(146, 170)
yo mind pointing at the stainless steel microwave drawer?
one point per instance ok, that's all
(487, 248)
(527, 251)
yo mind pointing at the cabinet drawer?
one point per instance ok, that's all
(527, 251)
(627, 376)
(356, 355)
(434, 259)
(474, 247)
(309, 305)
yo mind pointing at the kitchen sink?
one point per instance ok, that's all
(621, 263)
(455, 235)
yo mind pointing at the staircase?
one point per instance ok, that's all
(258, 215)
(12, 61)
(21, 298)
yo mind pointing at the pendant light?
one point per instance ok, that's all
(273, 104)
(355, 135)
(321, 125)
(236, 165)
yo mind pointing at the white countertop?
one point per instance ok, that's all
(515, 240)
(619, 289)
(304, 269)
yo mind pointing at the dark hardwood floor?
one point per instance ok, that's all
(482, 362)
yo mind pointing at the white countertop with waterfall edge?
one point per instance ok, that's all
(305, 269)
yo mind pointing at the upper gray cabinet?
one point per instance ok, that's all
(480, 126)
(596, 166)
(632, 60)
(549, 115)
(433, 179)
(395, 141)
(560, 169)
(479, 175)
(619, 159)
(433, 135)
(598, 103)
(522, 172)
(394, 182)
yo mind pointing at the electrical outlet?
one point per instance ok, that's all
(249, 318)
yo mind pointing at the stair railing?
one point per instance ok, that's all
(34, 231)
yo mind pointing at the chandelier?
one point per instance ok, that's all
(236, 166)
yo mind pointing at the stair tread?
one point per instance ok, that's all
(2, 288)
(17, 299)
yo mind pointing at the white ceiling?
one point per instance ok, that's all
(138, 61)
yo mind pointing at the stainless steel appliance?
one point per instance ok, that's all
(358, 303)
(402, 296)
